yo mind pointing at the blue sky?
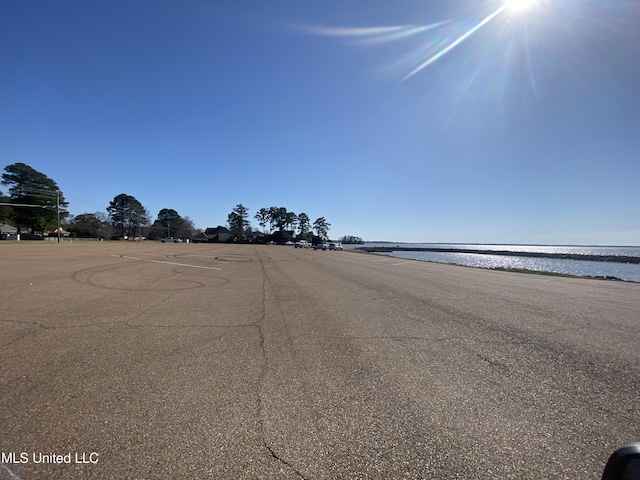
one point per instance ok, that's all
(527, 131)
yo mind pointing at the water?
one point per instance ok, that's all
(582, 268)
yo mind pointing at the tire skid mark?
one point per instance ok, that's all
(88, 276)
(166, 262)
(193, 256)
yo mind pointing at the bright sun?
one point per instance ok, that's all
(518, 5)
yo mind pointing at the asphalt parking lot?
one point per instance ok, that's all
(149, 360)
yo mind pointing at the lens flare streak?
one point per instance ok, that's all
(456, 42)
(376, 35)
(433, 50)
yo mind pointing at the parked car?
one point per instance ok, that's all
(302, 244)
(171, 240)
(335, 246)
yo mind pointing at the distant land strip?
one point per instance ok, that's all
(507, 253)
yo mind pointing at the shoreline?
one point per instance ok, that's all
(507, 253)
(497, 269)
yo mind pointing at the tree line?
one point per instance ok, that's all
(284, 225)
(36, 203)
(128, 216)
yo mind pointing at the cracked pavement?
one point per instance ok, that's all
(240, 361)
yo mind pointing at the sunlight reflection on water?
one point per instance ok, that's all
(584, 268)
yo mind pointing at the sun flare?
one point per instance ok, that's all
(518, 5)
(452, 33)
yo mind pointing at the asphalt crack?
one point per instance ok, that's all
(263, 379)
(275, 456)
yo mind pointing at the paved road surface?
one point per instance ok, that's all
(223, 361)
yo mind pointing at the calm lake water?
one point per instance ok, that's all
(583, 268)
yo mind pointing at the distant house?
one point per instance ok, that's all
(217, 234)
(255, 236)
(63, 233)
(7, 231)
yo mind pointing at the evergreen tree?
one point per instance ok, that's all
(304, 224)
(171, 220)
(321, 226)
(238, 221)
(38, 200)
(127, 214)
